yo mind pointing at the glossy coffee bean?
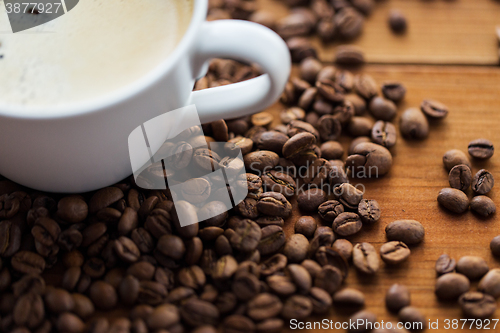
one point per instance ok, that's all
(453, 200)
(450, 286)
(394, 252)
(490, 283)
(347, 224)
(369, 160)
(455, 157)
(369, 211)
(414, 124)
(410, 232)
(365, 258)
(460, 177)
(445, 264)
(482, 205)
(481, 149)
(482, 182)
(472, 266)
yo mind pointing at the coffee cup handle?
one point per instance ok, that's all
(248, 42)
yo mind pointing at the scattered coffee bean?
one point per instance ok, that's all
(347, 224)
(397, 297)
(350, 298)
(395, 91)
(473, 267)
(365, 258)
(369, 211)
(495, 246)
(490, 283)
(445, 264)
(394, 252)
(384, 133)
(477, 305)
(382, 109)
(481, 149)
(349, 55)
(455, 157)
(460, 177)
(434, 109)
(482, 182)
(306, 225)
(397, 21)
(412, 315)
(450, 286)
(367, 320)
(454, 200)
(410, 232)
(414, 124)
(344, 247)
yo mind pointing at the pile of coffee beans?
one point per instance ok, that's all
(454, 282)
(455, 198)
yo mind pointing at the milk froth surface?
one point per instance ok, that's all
(96, 48)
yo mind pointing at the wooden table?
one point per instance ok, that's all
(450, 53)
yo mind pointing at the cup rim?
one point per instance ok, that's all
(120, 95)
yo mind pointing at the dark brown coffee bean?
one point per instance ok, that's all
(331, 150)
(225, 267)
(384, 133)
(246, 237)
(71, 278)
(365, 86)
(192, 277)
(329, 278)
(306, 225)
(349, 23)
(369, 211)
(264, 306)
(481, 149)
(103, 295)
(152, 293)
(482, 182)
(245, 286)
(445, 264)
(347, 224)
(59, 300)
(477, 305)
(142, 238)
(495, 246)
(434, 109)
(344, 247)
(46, 232)
(271, 140)
(300, 276)
(293, 113)
(29, 284)
(10, 238)
(326, 255)
(450, 286)
(454, 200)
(414, 125)
(300, 48)
(309, 69)
(274, 264)
(397, 297)
(297, 306)
(349, 298)
(309, 200)
(237, 324)
(260, 161)
(281, 285)
(72, 209)
(490, 283)
(357, 141)
(94, 267)
(360, 126)
(365, 258)
(397, 21)
(28, 262)
(455, 157)
(293, 25)
(412, 315)
(323, 238)
(472, 266)
(83, 307)
(349, 55)
(273, 239)
(126, 249)
(410, 232)
(369, 160)
(329, 128)
(460, 177)
(367, 320)
(197, 312)
(163, 317)
(382, 109)
(348, 195)
(296, 127)
(394, 252)
(104, 198)
(275, 204)
(29, 311)
(320, 299)
(330, 210)
(68, 322)
(296, 248)
(395, 91)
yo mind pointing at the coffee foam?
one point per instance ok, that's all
(92, 50)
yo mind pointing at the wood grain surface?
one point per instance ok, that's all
(439, 32)
(409, 191)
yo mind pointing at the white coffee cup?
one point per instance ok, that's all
(83, 148)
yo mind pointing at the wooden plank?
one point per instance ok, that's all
(409, 191)
(440, 32)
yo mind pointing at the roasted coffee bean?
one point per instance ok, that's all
(196, 312)
(397, 21)
(477, 305)
(72, 209)
(349, 298)
(490, 283)
(300, 48)
(349, 23)
(450, 286)
(264, 306)
(395, 91)
(273, 239)
(355, 142)
(410, 314)
(68, 322)
(369, 160)
(293, 113)
(296, 248)
(46, 232)
(329, 128)
(349, 55)
(394, 252)
(382, 109)
(345, 80)
(473, 267)
(347, 224)
(369, 211)
(152, 293)
(454, 200)
(126, 249)
(270, 140)
(445, 264)
(309, 69)
(384, 133)
(297, 306)
(365, 258)
(358, 102)
(397, 297)
(460, 177)
(305, 101)
(239, 142)
(481, 149)
(245, 286)
(104, 198)
(482, 182)
(163, 317)
(237, 324)
(29, 284)
(248, 208)
(349, 196)
(306, 225)
(281, 285)
(410, 232)
(219, 130)
(83, 307)
(206, 159)
(331, 150)
(434, 109)
(344, 247)
(495, 246)
(225, 267)
(103, 295)
(326, 255)
(329, 278)
(142, 238)
(10, 238)
(192, 277)
(320, 299)
(414, 124)
(312, 267)
(300, 276)
(330, 210)
(367, 320)
(323, 236)
(273, 264)
(360, 126)
(29, 311)
(309, 200)
(58, 300)
(296, 127)
(455, 157)
(365, 86)
(28, 262)
(246, 237)
(275, 204)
